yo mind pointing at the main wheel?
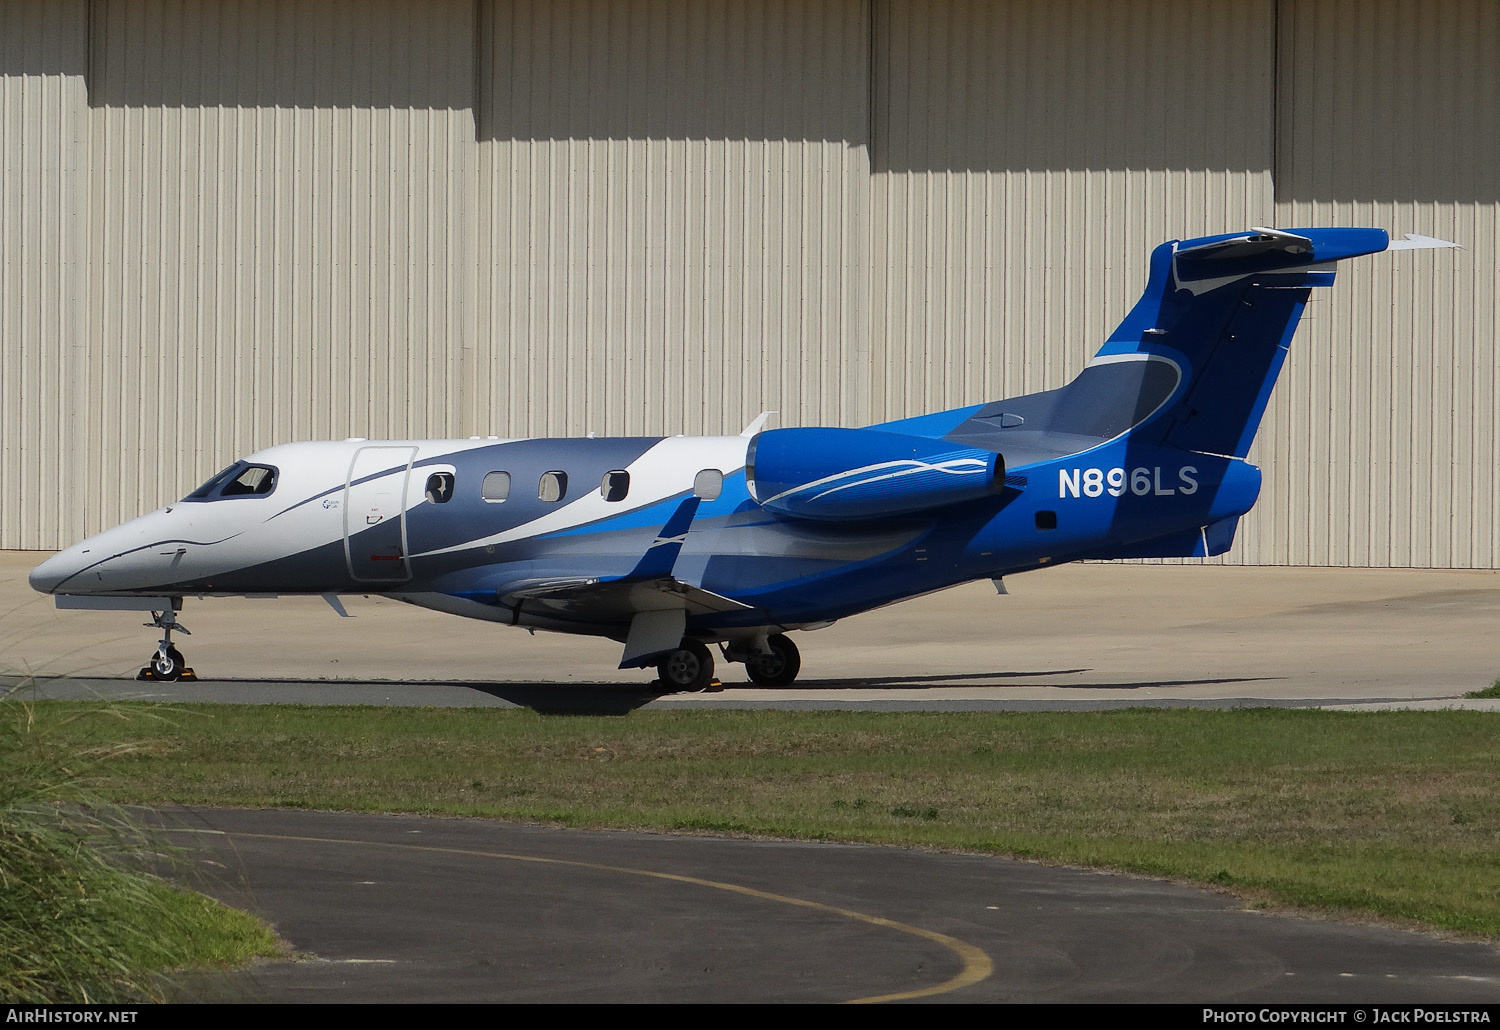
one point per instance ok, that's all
(168, 664)
(778, 668)
(690, 667)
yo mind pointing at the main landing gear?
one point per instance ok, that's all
(691, 666)
(778, 667)
(167, 662)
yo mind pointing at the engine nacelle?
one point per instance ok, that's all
(864, 473)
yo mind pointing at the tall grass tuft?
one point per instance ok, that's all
(83, 915)
(1493, 690)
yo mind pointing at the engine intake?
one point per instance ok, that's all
(864, 473)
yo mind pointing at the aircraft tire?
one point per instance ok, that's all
(689, 668)
(780, 667)
(168, 664)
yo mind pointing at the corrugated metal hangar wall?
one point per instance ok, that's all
(233, 223)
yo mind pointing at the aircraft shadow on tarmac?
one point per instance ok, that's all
(620, 699)
(573, 699)
(616, 699)
(589, 698)
(931, 682)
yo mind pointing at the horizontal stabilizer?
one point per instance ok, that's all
(1415, 242)
(1213, 261)
(1256, 241)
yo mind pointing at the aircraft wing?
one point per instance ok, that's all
(617, 600)
(654, 602)
(656, 609)
(650, 586)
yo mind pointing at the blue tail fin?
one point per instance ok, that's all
(1193, 363)
(1143, 455)
(1223, 309)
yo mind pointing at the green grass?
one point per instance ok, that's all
(83, 915)
(1390, 814)
(1493, 690)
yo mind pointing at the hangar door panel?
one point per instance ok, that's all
(669, 215)
(1027, 157)
(1392, 386)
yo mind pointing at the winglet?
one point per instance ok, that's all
(758, 424)
(1415, 242)
(661, 556)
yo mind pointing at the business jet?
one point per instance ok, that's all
(672, 544)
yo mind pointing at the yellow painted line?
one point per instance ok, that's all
(976, 965)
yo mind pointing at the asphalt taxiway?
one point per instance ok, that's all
(410, 909)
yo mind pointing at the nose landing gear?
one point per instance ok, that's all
(167, 662)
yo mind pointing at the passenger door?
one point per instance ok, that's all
(375, 514)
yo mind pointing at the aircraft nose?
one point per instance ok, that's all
(50, 574)
(124, 558)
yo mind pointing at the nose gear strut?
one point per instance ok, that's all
(167, 662)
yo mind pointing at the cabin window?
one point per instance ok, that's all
(708, 484)
(238, 480)
(496, 487)
(1046, 520)
(553, 487)
(615, 486)
(440, 488)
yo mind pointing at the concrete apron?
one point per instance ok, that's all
(1079, 632)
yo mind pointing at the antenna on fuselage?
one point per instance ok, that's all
(759, 423)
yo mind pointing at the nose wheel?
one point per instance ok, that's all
(166, 663)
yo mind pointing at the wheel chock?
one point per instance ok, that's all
(714, 686)
(150, 674)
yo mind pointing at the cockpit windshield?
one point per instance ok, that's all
(238, 480)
